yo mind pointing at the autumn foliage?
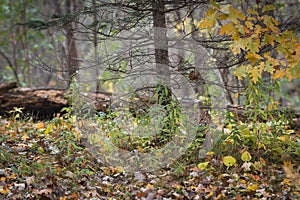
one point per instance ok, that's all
(256, 38)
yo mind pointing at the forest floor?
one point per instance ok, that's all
(46, 160)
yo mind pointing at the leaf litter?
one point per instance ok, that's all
(38, 162)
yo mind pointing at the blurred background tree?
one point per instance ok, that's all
(44, 43)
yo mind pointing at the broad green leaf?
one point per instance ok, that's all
(229, 161)
(246, 156)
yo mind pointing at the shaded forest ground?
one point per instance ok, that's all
(46, 160)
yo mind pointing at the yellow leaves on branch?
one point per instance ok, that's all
(253, 33)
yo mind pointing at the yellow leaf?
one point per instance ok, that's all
(252, 187)
(210, 194)
(241, 72)
(210, 153)
(25, 137)
(249, 24)
(279, 74)
(282, 138)
(258, 29)
(288, 164)
(149, 186)
(118, 169)
(253, 57)
(233, 13)
(267, 67)
(40, 125)
(229, 161)
(253, 12)
(229, 126)
(269, 39)
(4, 190)
(236, 95)
(211, 12)
(106, 170)
(255, 74)
(228, 29)
(48, 129)
(223, 16)
(290, 131)
(236, 36)
(246, 156)
(262, 161)
(41, 150)
(268, 7)
(286, 181)
(206, 24)
(270, 107)
(203, 165)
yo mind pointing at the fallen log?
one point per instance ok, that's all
(8, 86)
(43, 103)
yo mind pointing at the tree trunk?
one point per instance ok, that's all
(72, 52)
(160, 41)
(164, 92)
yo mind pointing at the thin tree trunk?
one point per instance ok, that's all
(72, 51)
(14, 44)
(96, 52)
(164, 92)
(160, 40)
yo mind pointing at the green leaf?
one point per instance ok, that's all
(229, 161)
(246, 156)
